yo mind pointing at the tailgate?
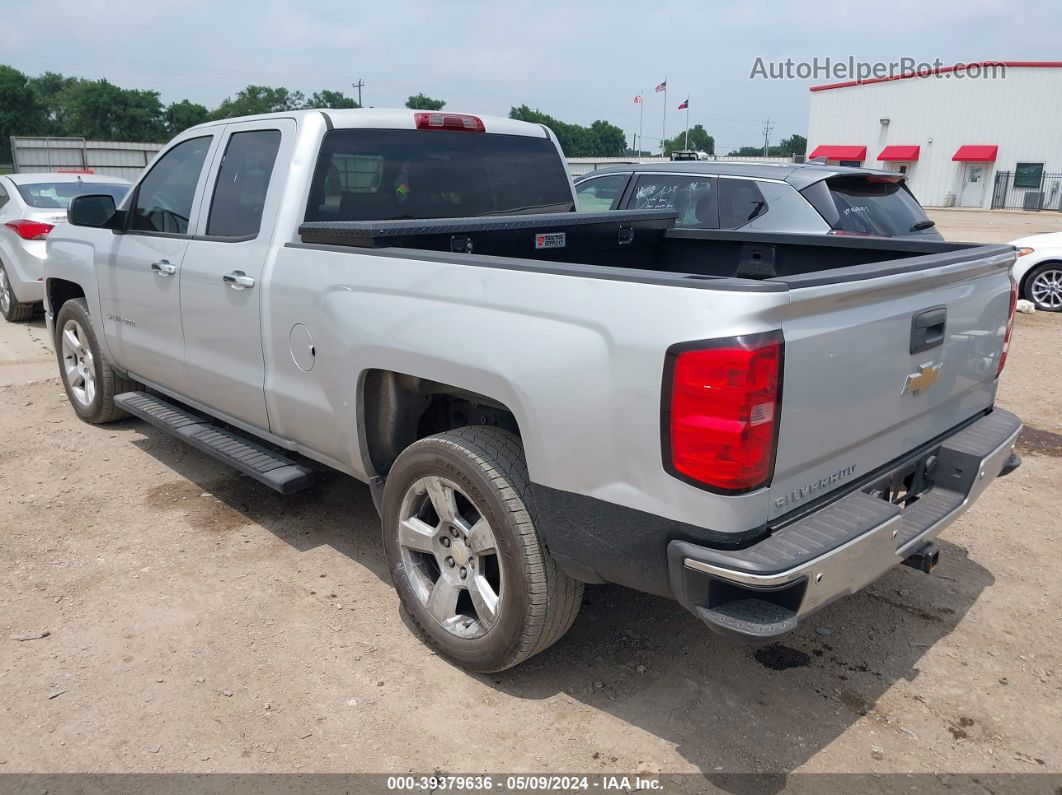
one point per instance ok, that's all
(854, 395)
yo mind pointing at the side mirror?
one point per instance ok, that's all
(95, 210)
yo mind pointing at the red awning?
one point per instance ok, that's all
(840, 152)
(976, 154)
(906, 153)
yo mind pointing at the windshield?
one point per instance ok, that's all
(373, 175)
(57, 195)
(870, 206)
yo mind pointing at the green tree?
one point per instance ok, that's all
(100, 110)
(331, 99)
(746, 151)
(699, 141)
(259, 99)
(424, 102)
(20, 110)
(49, 88)
(793, 145)
(600, 139)
(610, 141)
(179, 116)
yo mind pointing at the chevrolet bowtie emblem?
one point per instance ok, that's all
(919, 382)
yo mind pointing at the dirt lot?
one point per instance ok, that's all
(198, 622)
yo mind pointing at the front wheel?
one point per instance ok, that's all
(1043, 286)
(90, 381)
(464, 554)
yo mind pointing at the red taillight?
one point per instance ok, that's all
(30, 230)
(879, 178)
(1010, 325)
(461, 122)
(721, 406)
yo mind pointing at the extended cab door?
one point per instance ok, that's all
(223, 272)
(138, 270)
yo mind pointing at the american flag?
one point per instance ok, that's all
(638, 99)
(662, 86)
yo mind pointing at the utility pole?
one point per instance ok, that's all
(359, 86)
(767, 127)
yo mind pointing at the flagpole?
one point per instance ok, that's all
(663, 126)
(686, 141)
(641, 120)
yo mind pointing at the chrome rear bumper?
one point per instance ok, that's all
(765, 589)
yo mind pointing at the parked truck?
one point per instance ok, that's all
(752, 424)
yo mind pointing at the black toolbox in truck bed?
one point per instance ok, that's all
(539, 236)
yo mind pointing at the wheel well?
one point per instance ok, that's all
(60, 291)
(399, 409)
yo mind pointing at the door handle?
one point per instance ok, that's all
(238, 280)
(927, 329)
(163, 268)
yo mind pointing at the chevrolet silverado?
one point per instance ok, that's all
(753, 424)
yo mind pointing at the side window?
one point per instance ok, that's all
(164, 198)
(242, 183)
(601, 194)
(3, 197)
(693, 198)
(740, 201)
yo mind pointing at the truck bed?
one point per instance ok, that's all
(649, 241)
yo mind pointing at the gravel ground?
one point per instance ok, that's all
(160, 613)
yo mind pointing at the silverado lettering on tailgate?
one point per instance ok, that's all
(795, 496)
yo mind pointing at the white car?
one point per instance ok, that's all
(1038, 270)
(30, 206)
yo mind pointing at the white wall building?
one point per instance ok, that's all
(962, 135)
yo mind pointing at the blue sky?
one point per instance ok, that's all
(578, 61)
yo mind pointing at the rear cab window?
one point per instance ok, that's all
(868, 205)
(370, 174)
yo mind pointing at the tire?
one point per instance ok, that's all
(1043, 286)
(533, 602)
(10, 308)
(90, 381)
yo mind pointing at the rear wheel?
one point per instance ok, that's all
(90, 381)
(464, 554)
(1043, 287)
(10, 308)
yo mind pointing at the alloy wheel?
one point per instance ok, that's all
(1046, 288)
(5, 292)
(450, 554)
(78, 364)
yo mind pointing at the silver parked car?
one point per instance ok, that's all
(30, 206)
(809, 198)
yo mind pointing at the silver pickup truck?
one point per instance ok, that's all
(753, 424)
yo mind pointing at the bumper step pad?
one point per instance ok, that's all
(749, 618)
(252, 459)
